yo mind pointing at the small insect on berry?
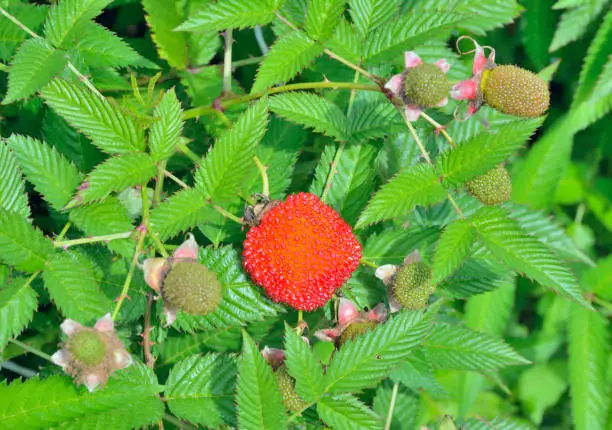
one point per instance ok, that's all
(301, 252)
(492, 188)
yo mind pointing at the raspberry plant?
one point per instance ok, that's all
(143, 142)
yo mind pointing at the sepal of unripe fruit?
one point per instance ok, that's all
(492, 188)
(91, 354)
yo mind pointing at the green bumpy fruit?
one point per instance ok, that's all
(515, 91)
(355, 329)
(286, 386)
(87, 347)
(425, 85)
(492, 188)
(192, 288)
(412, 285)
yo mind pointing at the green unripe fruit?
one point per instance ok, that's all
(492, 188)
(425, 85)
(87, 347)
(515, 91)
(355, 329)
(286, 386)
(412, 285)
(192, 288)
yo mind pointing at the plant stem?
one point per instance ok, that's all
(158, 243)
(263, 47)
(175, 179)
(227, 62)
(369, 263)
(130, 275)
(188, 152)
(93, 239)
(146, 334)
(391, 406)
(246, 62)
(265, 188)
(332, 171)
(16, 368)
(178, 423)
(159, 183)
(64, 230)
(18, 23)
(33, 350)
(202, 110)
(439, 128)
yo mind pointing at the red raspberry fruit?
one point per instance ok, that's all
(301, 252)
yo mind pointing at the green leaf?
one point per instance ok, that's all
(110, 130)
(162, 17)
(524, 253)
(100, 47)
(498, 424)
(345, 412)
(224, 168)
(67, 20)
(322, 18)
(490, 313)
(368, 15)
(259, 400)
(231, 14)
(539, 388)
(180, 212)
(11, 36)
(574, 22)
(52, 174)
(488, 14)
(13, 196)
(597, 56)
(452, 249)
(33, 66)
(476, 276)
(485, 151)
(539, 22)
(372, 117)
(588, 357)
(406, 411)
(290, 54)
(345, 41)
(367, 359)
(73, 288)
(311, 111)
(242, 302)
(106, 217)
(406, 33)
(116, 174)
(55, 401)
(352, 179)
(303, 366)
(167, 127)
(17, 306)
(417, 185)
(417, 374)
(21, 245)
(459, 348)
(200, 389)
(177, 347)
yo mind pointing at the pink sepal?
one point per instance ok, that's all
(444, 102)
(413, 112)
(395, 84)
(464, 90)
(347, 312)
(70, 327)
(412, 59)
(443, 65)
(154, 269)
(378, 314)
(105, 323)
(273, 356)
(188, 249)
(328, 334)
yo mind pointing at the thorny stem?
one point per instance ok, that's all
(227, 62)
(159, 183)
(219, 209)
(391, 406)
(146, 335)
(265, 188)
(439, 128)
(93, 239)
(33, 350)
(202, 110)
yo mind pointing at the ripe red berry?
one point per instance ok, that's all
(301, 252)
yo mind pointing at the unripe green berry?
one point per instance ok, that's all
(192, 288)
(412, 285)
(492, 188)
(515, 91)
(87, 347)
(355, 329)
(425, 85)
(286, 386)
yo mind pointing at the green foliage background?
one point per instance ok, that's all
(104, 99)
